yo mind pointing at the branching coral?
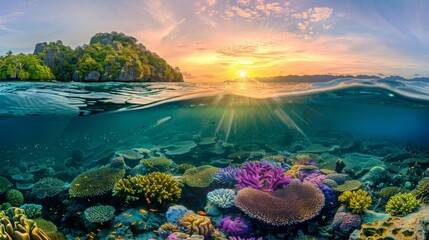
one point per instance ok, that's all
(401, 204)
(233, 226)
(227, 175)
(223, 198)
(154, 186)
(32, 210)
(262, 176)
(356, 201)
(95, 182)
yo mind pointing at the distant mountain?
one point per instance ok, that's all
(326, 78)
(108, 57)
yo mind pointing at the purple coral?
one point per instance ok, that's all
(344, 221)
(262, 176)
(314, 177)
(227, 175)
(233, 226)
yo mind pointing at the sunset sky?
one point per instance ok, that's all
(214, 40)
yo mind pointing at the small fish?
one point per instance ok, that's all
(98, 230)
(113, 233)
(147, 191)
(143, 211)
(147, 200)
(153, 210)
(162, 120)
(202, 213)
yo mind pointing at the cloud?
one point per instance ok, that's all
(320, 13)
(8, 18)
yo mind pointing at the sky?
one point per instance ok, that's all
(215, 40)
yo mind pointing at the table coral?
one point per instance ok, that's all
(201, 176)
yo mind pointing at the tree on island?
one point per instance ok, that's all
(108, 57)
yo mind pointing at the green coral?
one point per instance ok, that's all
(5, 184)
(14, 225)
(401, 204)
(388, 192)
(99, 214)
(153, 186)
(14, 197)
(356, 201)
(200, 177)
(95, 182)
(422, 191)
(157, 163)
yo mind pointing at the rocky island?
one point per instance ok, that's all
(108, 57)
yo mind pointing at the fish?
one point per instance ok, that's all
(153, 210)
(162, 120)
(143, 211)
(202, 213)
(147, 200)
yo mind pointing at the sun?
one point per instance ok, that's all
(243, 73)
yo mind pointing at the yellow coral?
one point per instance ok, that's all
(196, 224)
(403, 203)
(293, 171)
(356, 201)
(95, 182)
(159, 163)
(349, 185)
(45, 225)
(15, 225)
(153, 186)
(201, 176)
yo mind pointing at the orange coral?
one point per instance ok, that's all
(196, 224)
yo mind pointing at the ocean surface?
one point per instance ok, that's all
(366, 123)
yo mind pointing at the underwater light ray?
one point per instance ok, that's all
(282, 115)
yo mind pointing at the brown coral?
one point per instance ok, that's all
(157, 163)
(95, 182)
(296, 203)
(196, 224)
(422, 190)
(14, 225)
(200, 177)
(349, 185)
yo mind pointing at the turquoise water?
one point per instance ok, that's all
(48, 124)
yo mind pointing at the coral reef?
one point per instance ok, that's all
(339, 178)
(47, 187)
(95, 182)
(401, 204)
(196, 224)
(200, 177)
(5, 184)
(356, 201)
(234, 226)
(156, 163)
(223, 198)
(344, 221)
(14, 225)
(227, 175)
(387, 192)
(14, 197)
(45, 225)
(296, 203)
(32, 210)
(422, 190)
(262, 176)
(349, 185)
(99, 213)
(153, 186)
(174, 213)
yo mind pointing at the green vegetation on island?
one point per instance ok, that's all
(108, 57)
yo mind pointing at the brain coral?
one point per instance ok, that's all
(153, 186)
(200, 177)
(99, 214)
(14, 197)
(401, 204)
(196, 224)
(356, 201)
(422, 190)
(47, 187)
(296, 203)
(14, 225)
(95, 182)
